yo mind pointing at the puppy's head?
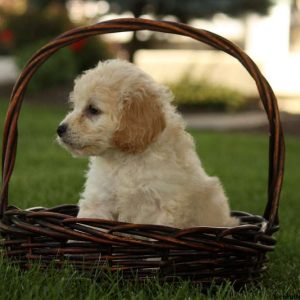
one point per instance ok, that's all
(114, 106)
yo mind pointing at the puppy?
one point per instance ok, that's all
(143, 164)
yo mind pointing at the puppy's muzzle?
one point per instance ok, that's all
(62, 129)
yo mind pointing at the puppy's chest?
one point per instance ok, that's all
(130, 186)
(138, 193)
(136, 190)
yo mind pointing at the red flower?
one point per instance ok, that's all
(77, 46)
(6, 36)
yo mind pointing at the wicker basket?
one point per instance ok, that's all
(202, 254)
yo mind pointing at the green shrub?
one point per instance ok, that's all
(93, 50)
(34, 29)
(189, 92)
(6, 35)
(34, 26)
(58, 69)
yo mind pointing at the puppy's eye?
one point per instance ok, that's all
(92, 110)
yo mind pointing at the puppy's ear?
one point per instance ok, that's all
(141, 121)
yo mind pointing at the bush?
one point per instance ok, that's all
(6, 36)
(59, 68)
(88, 52)
(6, 41)
(34, 29)
(189, 92)
(34, 26)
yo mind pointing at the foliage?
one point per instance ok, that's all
(189, 92)
(41, 4)
(34, 29)
(45, 175)
(34, 26)
(58, 69)
(6, 41)
(192, 8)
(44, 25)
(185, 11)
(64, 65)
(92, 50)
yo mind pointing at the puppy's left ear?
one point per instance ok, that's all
(141, 120)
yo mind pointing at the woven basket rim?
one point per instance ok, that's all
(276, 148)
(64, 216)
(202, 253)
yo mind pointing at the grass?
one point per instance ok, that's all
(45, 175)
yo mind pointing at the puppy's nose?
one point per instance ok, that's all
(61, 130)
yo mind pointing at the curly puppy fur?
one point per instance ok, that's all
(143, 164)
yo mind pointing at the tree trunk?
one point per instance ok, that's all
(135, 44)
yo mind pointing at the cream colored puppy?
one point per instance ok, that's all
(143, 164)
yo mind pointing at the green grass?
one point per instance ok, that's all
(45, 175)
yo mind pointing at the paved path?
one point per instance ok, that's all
(255, 121)
(223, 122)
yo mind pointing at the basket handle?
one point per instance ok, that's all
(276, 140)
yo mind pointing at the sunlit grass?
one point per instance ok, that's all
(45, 175)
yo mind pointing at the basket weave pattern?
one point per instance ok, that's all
(203, 254)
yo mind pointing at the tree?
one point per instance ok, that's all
(191, 8)
(186, 10)
(41, 4)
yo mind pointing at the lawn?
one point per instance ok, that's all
(45, 175)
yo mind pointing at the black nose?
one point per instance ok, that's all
(62, 129)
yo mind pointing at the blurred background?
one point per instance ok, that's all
(205, 80)
(217, 97)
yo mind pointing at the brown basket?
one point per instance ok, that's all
(203, 254)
